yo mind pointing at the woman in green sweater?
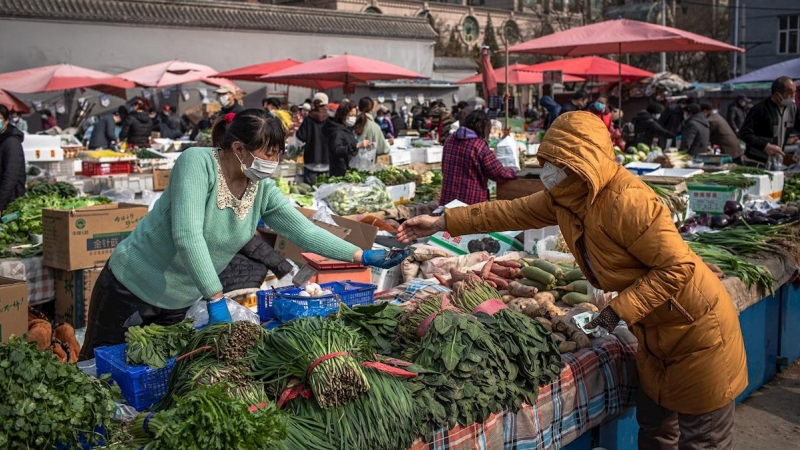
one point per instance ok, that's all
(366, 129)
(211, 208)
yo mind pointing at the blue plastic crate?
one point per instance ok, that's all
(140, 385)
(285, 304)
(83, 445)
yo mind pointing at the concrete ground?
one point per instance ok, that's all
(770, 418)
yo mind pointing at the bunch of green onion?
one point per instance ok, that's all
(734, 266)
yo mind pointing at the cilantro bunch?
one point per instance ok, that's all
(44, 403)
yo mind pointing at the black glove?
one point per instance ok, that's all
(607, 319)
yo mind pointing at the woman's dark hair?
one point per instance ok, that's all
(4, 112)
(253, 128)
(365, 106)
(294, 109)
(343, 111)
(47, 113)
(478, 121)
(605, 96)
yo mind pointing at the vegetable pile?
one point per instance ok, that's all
(791, 189)
(734, 266)
(737, 180)
(44, 403)
(153, 345)
(756, 240)
(378, 323)
(359, 199)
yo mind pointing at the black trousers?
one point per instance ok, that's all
(113, 309)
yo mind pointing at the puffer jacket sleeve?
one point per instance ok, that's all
(533, 211)
(642, 224)
(257, 249)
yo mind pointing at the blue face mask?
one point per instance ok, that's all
(599, 106)
(686, 116)
(2, 124)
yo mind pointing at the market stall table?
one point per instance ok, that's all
(596, 384)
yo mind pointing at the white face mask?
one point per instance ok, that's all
(225, 100)
(551, 175)
(787, 101)
(350, 121)
(260, 169)
(656, 116)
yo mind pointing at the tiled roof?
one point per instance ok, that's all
(220, 15)
(454, 63)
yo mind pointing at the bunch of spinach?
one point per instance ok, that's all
(464, 374)
(44, 403)
(153, 345)
(207, 418)
(379, 323)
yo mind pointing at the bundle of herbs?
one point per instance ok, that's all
(385, 418)
(217, 354)
(736, 180)
(526, 342)
(208, 417)
(464, 374)
(379, 323)
(44, 404)
(756, 240)
(322, 354)
(734, 266)
(153, 345)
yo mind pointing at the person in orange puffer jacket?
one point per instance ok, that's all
(691, 358)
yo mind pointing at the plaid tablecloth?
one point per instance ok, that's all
(596, 383)
(41, 281)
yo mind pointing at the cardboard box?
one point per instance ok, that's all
(402, 192)
(160, 179)
(359, 234)
(13, 308)
(384, 160)
(73, 294)
(84, 238)
(386, 279)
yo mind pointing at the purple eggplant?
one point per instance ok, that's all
(720, 221)
(731, 207)
(704, 220)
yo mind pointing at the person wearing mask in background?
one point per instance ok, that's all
(18, 122)
(203, 124)
(12, 161)
(769, 122)
(549, 104)
(215, 199)
(297, 119)
(104, 134)
(170, 124)
(273, 106)
(398, 124)
(385, 123)
(48, 121)
(138, 127)
(226, 96)
(600, 109)
(691, 358)
(418, 113)
(342, 142)
(646, 127)
(737, 111)
(672, 118)
(316, 157)
(696, 133)
(367, 129)
(660, 99)
(721, 134)
(468, 163)
(155, 118)
(443, 122)
(305, 109)
(578, 102)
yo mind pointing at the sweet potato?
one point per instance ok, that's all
(491, 283)
(487, 268)
(442, 280)
(500, 282)
(567, 347)
(455, 275)
(504, 272)
(510, 264)
(519, 290)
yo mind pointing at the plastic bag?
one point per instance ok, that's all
(345, 199)
(546, 249)
(199, 312)
(508, 153)
(119, 195)
(323, 215)
(365, 159)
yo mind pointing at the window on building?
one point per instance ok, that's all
(373, 10)
(476, 2)
(789, 34)
(470, 29)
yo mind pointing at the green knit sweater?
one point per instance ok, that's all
(175, 254)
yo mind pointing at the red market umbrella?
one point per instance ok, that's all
(621, 36)
(170, 73)
(343, 70)
(62, 77)
(518, 74)
(256, 71)
(13, 103)
(593, 68)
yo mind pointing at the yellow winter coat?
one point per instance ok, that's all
(691, 355)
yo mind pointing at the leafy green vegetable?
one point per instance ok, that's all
(283, 185)
(153, 345)
(735, 266)
(379, 323)
(723, 179)
(208, 418)
(44, 403)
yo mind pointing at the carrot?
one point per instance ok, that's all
(509, 264)
(442, 280)
(504, 272)
(487, 268)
